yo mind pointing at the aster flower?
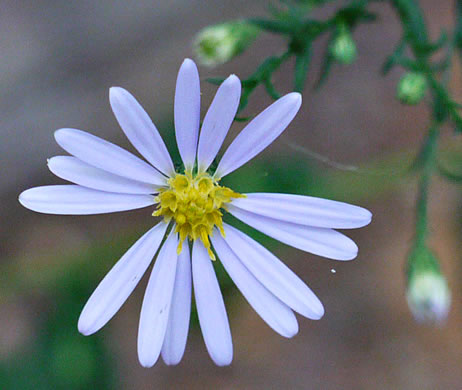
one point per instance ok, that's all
(191, 204)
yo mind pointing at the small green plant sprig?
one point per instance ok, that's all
(423, 78)
(300, 31)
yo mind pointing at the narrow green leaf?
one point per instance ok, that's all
(326, 66)
(267, 67)
(440, 110)
(451, 176)
(302, 64)
(275, 26)
(442, 104)
(412, 19)
(450, 159)
(243, 118)
(458, 28)
(244, 99)
(271, 89)
(353, 14)
(430, 48)
(250, 83)
(456, 119)
(392, 59)
(312, 28)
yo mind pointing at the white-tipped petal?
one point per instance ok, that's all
(107, 156)
(259, 133)
(305, 210)
(76, 200)
(274, 274)
(210, 307)
(178, 322)
(319, 241)
(187, 111)
(76, 171)
(140, 130)
(274, 312)
(119, 283)
(218, 120)
(156, 303)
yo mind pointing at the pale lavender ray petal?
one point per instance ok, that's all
(210, 307)
(178, 322)
(259, 133)
(274, 274)
(305, 210)
(319, 241)
(274, 312)
(218, 120)
(156, 303)
(120, 281)
(72, 199)
(187, 112)
(140, 130)
(107, 156)
(76, 171)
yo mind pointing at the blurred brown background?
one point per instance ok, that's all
(58, 60)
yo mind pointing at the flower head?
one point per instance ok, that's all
(191, 203)
(194, 202)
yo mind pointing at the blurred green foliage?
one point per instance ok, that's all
(59, 357)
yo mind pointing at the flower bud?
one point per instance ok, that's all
(215, 45)
(411, 88)
(428, 294)
(343, 47)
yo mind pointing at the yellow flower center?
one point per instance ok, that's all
(194, 202)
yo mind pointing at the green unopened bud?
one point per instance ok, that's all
(215, 45)
(411, 88)
(343, 47)
(428, 294)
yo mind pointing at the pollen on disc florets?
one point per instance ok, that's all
(194, 203)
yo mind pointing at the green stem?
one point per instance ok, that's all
(412, 19)
(428, 161)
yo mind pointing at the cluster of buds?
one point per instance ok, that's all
(215, 45)
(428, 294)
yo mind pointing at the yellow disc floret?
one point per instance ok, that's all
(194, 203)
